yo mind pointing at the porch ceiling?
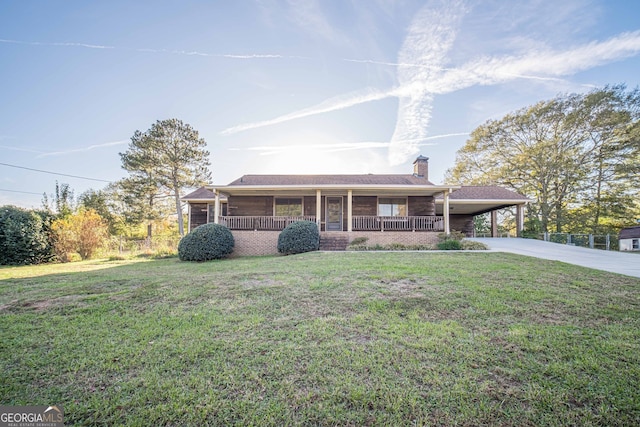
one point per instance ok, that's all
(475, 207)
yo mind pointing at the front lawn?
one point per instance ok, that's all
(323, 339)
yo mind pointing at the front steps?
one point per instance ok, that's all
(333, 243)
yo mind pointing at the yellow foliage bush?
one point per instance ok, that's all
(82, 233)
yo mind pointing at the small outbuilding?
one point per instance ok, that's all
(630, 239)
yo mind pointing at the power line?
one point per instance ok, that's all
(54, 173)
(24, 192)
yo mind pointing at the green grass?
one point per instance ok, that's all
(323, 339)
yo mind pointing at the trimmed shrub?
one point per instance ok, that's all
(206, 242)
(24, 236)
(471, 245)
(454, 235)
(359, 241)
(450, 245)
(299, 237)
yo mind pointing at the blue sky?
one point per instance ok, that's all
(287, 86)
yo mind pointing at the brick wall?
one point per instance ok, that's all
(252, 243)
(388, 237)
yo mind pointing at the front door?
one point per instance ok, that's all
(334, 214)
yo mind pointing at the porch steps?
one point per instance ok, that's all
(333, 243)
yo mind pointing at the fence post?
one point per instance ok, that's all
(591, 242)
(568, 238)
(608, 240)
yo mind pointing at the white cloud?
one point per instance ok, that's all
(332, 104)
(83, 149)
(429, 39)
(89, 46)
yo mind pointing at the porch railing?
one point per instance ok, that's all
(261, 222)
(398, 223)
(360, 223)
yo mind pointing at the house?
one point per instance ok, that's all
(630, 239)
(402, 208)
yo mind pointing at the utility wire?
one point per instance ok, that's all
(24, 192)
(54, 173)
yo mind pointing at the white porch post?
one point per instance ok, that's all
(445, 212)
(350, 210)
(319, 209)
(216, 209)
(188, 217)
(519, 220)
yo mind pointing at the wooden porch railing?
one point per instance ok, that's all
(360, 223)
(261, 222)
(398, 223)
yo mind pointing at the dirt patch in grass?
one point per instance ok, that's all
(41, 305)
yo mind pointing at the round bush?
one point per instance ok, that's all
(299, 237)
(206, 242)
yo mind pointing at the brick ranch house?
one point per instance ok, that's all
(407, 209)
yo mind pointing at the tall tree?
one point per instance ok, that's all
(170, 156)
(571, 154)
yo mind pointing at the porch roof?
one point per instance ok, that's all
(334, 189)
(480, 199)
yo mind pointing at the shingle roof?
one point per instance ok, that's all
(200, 193)
(269, 180)
(630, 233)
(485, 193)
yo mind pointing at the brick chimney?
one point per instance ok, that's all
(421, 167)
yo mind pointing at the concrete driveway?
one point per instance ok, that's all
(613, 261)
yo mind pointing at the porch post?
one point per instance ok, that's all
(216, 209)
(188, 217)
(519, 220)
(494, 223)
(445, 212)
(319, 209)
(350, 210)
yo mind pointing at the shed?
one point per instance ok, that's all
(630, 239)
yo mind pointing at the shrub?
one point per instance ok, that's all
(299, 237)
(83, 232)
(450, 245)
(470, 245)
(206, 242)
(453, 235)
(24, 236)
(359, 241)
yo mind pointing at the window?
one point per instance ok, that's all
(635, 244)
(288, 207)
(392, 207)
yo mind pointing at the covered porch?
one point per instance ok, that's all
(333, 208)
(357, 223)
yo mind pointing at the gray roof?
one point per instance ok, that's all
(630, 232)
(268, 180)
(200, 193)
(485, 192)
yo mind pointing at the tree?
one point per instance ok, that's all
(570, 154)
(144, 201)
(169, 156)
(63, 203)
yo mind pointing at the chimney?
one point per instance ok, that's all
(421, 167)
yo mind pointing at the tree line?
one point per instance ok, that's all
(577, 156)
(161, 162)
